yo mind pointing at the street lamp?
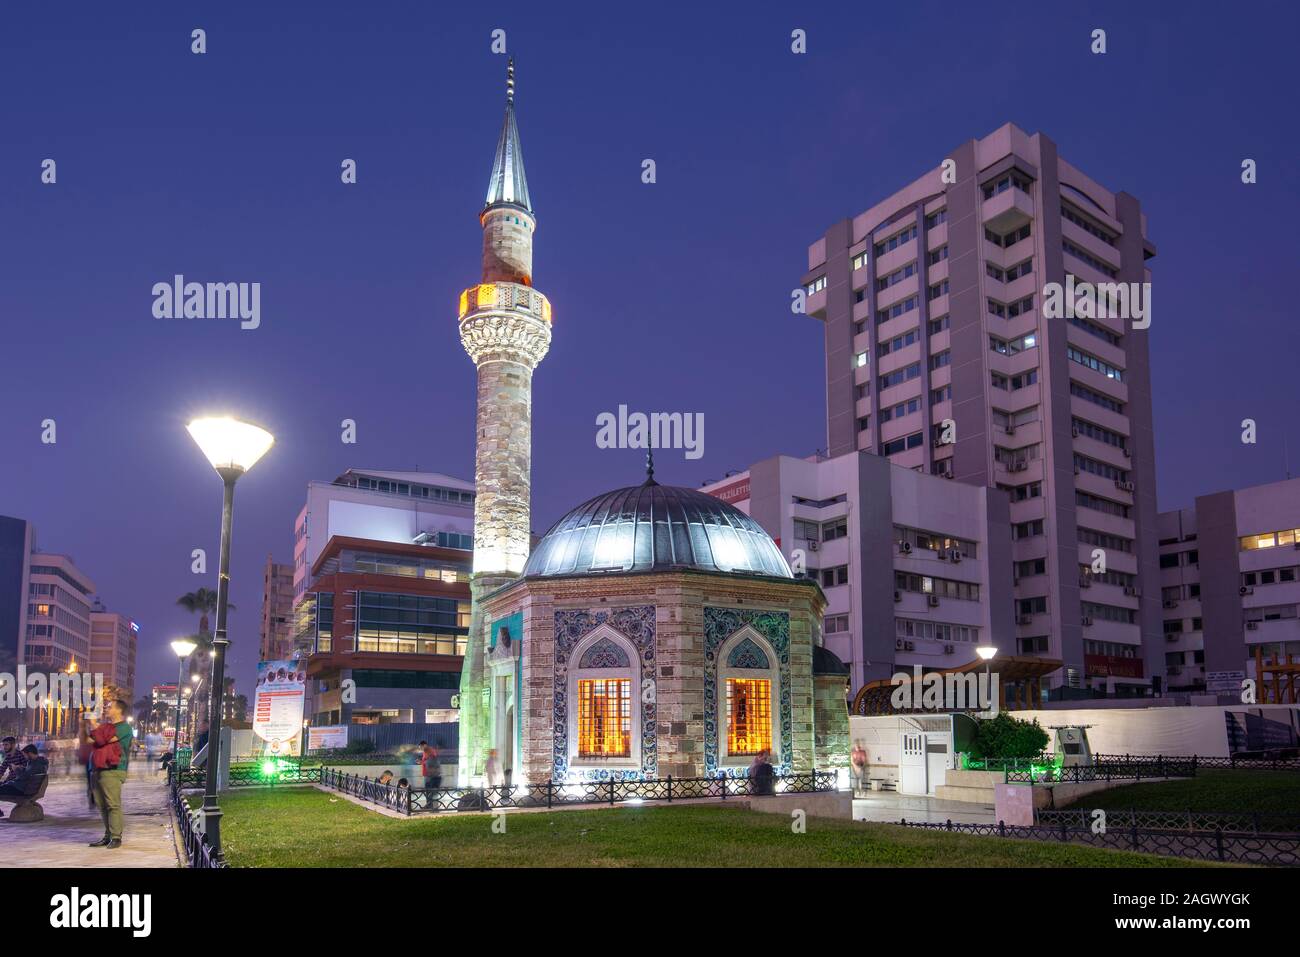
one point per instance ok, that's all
(988, 653)
(232, 447)
(183, 648)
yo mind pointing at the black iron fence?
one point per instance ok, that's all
(252, 775)
(1245, 764)
(198, 852)
(1257, 822)
(1106, 769)
(407, 800)
(1281, 850)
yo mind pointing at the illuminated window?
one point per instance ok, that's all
(43, 610)
(605, 717)
(749, 716)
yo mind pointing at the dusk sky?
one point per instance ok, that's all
(667, 297)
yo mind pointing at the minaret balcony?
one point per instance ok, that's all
(504, 297)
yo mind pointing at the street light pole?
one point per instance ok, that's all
(232, 447)
(183, 648)
(211, 810)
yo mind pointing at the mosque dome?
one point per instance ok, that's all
(653, 527)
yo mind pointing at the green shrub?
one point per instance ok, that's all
(1008, 737)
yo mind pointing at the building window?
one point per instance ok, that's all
(604, 717)
(749, 716)
(817, 285)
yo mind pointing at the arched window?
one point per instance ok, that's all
(604, 712)
(748, 690)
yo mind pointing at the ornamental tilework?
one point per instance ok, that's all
(719, 625)
(747, 654)
(604, 653)
(637, 625)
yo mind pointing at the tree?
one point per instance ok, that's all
(1008, 737)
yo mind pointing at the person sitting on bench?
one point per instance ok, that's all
(25, 782)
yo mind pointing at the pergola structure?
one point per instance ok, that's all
(1277, 680)
(1022, 673)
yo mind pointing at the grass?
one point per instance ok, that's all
(305, 827)
(1238, 792)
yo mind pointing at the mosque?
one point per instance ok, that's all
(654, 630)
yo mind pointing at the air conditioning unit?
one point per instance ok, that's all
(1024, 620)
(898, 595)
(1074, 431)
(1076, 470)
(1132, 591)
(814, 546)
(1087, 621)
(898, 644)
(1019, 466)
(1245, 590)
(941, 555)
(1123, 486)
(909, 646)
(948, 649)
(1170, 603)
(1252, 626)
(1128, 453)
(932, 601)
(905, 547)
(1085, 581)
(955, 555)
(1010, 430)
(1173, 635)
(949, 475)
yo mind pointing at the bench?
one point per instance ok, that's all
(26, 809)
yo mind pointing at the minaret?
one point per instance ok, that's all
(505, 326)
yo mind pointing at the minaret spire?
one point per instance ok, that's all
(508, 183)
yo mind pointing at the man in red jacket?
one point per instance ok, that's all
(112, 753)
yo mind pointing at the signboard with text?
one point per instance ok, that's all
(326, 737)
(278, 705)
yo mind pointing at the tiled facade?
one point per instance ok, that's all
(677, 623)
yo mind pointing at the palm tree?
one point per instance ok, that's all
(203, 602)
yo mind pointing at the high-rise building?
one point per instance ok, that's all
(939, 357)
(1230, 589)
(113, 649)
(916, 570)
(505, 327)
(277, 611)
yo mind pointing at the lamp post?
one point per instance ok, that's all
(232, 447)
(183, 648)
(988, 653)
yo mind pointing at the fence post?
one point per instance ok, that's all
(950, 824)
(1133, 831)
(1160, 765)
(1002, 828)
(1218, 839)
(550, 789)
(670, 789)
(611, 792)
(1065, 834)
(723, 779)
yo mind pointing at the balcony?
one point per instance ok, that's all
(1007, 210)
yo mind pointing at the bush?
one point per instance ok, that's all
(1008, 737)
(359, 746)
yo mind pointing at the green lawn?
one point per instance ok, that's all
(1240, 792)
(305, 827)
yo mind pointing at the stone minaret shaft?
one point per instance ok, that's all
(505, 326)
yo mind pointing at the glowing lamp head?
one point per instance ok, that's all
(986, 652)
(230, 445)
(183, 647)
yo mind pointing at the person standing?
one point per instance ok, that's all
(112, 756)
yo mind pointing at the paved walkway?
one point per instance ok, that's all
(890, 807)
(60, 840)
